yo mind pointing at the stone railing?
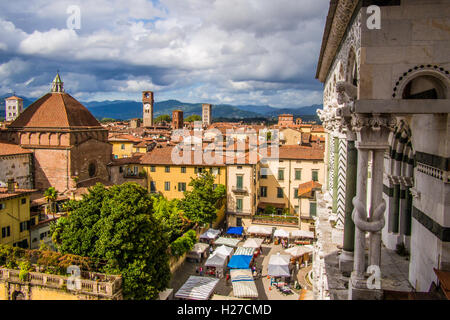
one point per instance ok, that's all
(105, 286)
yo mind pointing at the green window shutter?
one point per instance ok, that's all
(315, 175)
(295, 193)
(238, 204)
(298, 175)
(280, 174)
(279, 192)
(239, 182)
(312, 209)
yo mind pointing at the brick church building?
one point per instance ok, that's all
(70, 147)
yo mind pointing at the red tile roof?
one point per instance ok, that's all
(4, 194)
(305, 189)
(9, 149)
(295, 152)
(14, 98)
(55, 110)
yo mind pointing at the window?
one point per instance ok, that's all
(2, 206)
(25, 225)
(238, 222)
(43, 235)
(297, 209)
(315, 175)
(122, 147)
(152, 169)
(263, 173)
(6, 232)
(239, 181)
(298, 174)
(295, 193)
(23, 200)
(167, 186)
(216, 171)
(167, 169)
(239, 167)
(183, 169)
(120, 169)
(279, 192)
(181, 186)
(152, 186)
(263, 191)
(92, 169)
(32, 222)
(281, 174)
(239, 205)
(312, 209)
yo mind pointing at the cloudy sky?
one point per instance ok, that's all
(215, 51)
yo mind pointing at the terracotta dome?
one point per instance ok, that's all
(55, 110)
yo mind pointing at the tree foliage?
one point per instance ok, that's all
(200, 204)
(118, 226)
(163, 117)
(192, 118)
(183, 244)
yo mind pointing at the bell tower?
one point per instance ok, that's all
(147, 105)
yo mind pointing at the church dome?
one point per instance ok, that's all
(56, 109)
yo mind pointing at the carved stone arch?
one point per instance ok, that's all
(351, 69)
(436, 76)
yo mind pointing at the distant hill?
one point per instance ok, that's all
(128, 109)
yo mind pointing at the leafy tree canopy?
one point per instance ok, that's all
(192, 118)
(200, 204)
(163, 117)
(118, 225)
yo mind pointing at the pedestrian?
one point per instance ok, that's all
(201, 271)
(228, 278)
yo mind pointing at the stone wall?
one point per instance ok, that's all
(18, 167)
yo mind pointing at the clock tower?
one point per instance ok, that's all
(147, 104)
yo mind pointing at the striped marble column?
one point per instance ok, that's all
(330, 163)
(342, 173)
(335, 174)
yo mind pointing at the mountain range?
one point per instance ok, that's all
(128, 109)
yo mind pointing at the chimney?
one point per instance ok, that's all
(11, 185)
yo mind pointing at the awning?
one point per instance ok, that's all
(279, 266)
(253, 243)
(230, 242)
(216, 260)
(243, 283)
(240, 262)
(263, 205)
(235, 230)
(197, 288)
(259, 230)
(199, 248)
(302, 234)
(281, 233)
(241, 251)
(210, 234)
(224, 250)
(298, 251)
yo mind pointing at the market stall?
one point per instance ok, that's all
(198, 252)
(281, 236)
(243, 251)
(264, 232)
(224, 250)
(235, 231)
(302, 236)
(243, 283)
(240, 262)
(209, 236)
(197, 288)
(215, 265)
(300, 253)
(229, 242)
(279, 266)
(255, 243)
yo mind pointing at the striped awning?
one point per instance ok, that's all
(241, 251)
(197, 288)
(230, 242)
(243, 283)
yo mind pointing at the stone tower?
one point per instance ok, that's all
(177, 119)
(206, 114)
(147, 102)
(13, 107)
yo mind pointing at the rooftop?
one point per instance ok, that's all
(9, 149)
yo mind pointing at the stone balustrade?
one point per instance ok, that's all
(105, 285)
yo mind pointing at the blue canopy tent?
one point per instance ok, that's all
(240, 262)
(235, 230)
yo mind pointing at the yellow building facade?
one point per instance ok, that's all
(15, 217)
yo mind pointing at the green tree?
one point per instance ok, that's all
(51, 195)
(118, 225)
(192, 118)
(170, 216)
(163, 117)
(200, 204)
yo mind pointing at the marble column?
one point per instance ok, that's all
(342, 178)
(346, 257)
(372, 140)
(335, 173)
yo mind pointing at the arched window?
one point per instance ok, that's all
(92, 169)
(424, 87)
(352, 69)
